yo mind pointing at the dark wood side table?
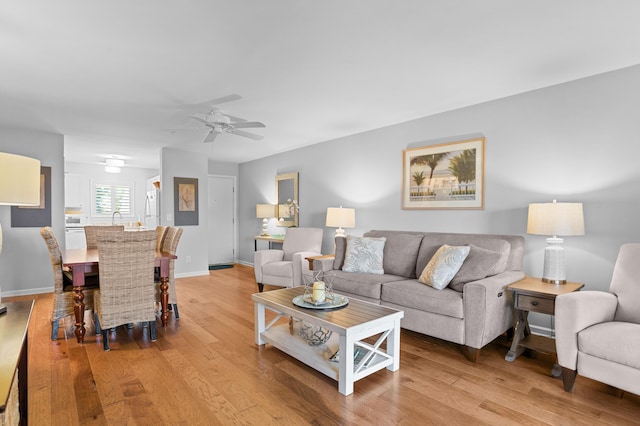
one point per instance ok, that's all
(14, 325)
(532, 295)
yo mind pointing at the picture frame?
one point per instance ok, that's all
(444, 176)
(35, 216)
(185, 201)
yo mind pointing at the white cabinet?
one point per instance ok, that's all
(72, 190)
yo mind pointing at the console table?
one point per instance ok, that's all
(14, 325)
(270, 238)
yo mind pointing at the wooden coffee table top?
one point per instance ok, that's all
(355, 314)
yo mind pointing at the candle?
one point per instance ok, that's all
(318, 293)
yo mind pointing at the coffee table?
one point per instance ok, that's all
(351, 325)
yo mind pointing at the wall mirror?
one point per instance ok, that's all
(286, 193)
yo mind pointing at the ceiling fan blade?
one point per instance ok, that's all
(247, 135)
(200, 119)
(210, 137)
(233, 117)
(247, 124)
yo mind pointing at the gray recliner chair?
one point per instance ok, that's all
(598, 333)
(285, 268)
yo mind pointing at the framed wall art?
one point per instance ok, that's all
(444, 176)
(35, 216)
(185, 201)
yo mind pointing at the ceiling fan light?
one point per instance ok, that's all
(112, 169)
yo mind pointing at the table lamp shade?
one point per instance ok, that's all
(19, 185)
(339, 217)
(555, 219)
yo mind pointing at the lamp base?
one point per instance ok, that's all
(554, 271)
(340, 233)
(265, 227)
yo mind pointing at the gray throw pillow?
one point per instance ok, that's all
(364, 255)
(443, 266)
(479, 264)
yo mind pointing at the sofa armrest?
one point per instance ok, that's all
(301, 266)
(323, 264)
(573, 313)
(262, 257)
(487, 308)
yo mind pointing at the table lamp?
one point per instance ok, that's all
(555, 219)
(19, 186)
(265, 212)
(339, 217)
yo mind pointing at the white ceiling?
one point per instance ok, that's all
(112, 76)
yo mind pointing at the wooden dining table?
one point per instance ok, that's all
(82, 261)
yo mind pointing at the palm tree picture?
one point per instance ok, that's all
(453, 173)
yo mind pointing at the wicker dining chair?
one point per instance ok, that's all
(162, 232)
(63, 302)
(91, 233)
(126, 293)
(170, 245)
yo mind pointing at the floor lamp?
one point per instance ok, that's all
(19, 186)
(555, 219)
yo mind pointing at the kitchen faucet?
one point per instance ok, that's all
(113, 217)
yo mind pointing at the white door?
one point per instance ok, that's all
(221, 219)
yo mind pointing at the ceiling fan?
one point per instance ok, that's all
(220, 122)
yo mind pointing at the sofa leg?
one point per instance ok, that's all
(569, 379)
(260, 287)
(470, 353)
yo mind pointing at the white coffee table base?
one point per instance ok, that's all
(346, 339)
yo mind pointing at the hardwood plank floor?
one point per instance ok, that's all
(205, 369)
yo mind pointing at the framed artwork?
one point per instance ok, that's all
(185, 201)
(35, 216)
(444, 176)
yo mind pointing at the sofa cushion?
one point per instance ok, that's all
(616, 341)
(479, 264)
(400, 252)
(433, 241)
(359, 283)
(415, 295)
(364, 255)
(444, 264)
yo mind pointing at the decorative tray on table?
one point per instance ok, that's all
(327, 300)
(335, 301)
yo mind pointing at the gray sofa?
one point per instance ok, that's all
(472, 316)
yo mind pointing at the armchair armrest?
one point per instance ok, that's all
(262, 257)
(573, 313)
(487, 308)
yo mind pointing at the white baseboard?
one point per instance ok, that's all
(192, 274)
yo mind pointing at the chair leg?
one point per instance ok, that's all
(105, 340)
(97, 321)
(175, 311)
(569, 379)
(54, 329)
(152, 330)
(260, 287)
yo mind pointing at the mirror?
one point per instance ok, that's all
(287, 193)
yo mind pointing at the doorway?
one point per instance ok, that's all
(222, 220)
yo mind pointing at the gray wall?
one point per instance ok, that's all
(25, 266)
(575, 142)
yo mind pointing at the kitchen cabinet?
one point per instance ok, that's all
(72, 190)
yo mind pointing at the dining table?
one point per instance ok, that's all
(83, 261)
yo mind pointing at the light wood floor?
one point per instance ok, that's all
(205, 369)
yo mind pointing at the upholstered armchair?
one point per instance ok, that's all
(284, 268)
(598, 333)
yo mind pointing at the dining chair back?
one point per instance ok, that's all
(162, 231)
(91, 233)
(63, 302)
(170, 245)
(126, 293)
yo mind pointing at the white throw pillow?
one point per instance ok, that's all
(364, 254)
(443, 266)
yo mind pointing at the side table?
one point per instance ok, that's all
(532, 295)
(270, 238)
(310, 259)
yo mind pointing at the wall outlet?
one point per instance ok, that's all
(187, 259)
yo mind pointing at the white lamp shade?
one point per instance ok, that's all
(339, 217)
(19, 180)
(265, 211)
(564, 219)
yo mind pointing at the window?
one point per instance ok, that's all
(112, 197)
